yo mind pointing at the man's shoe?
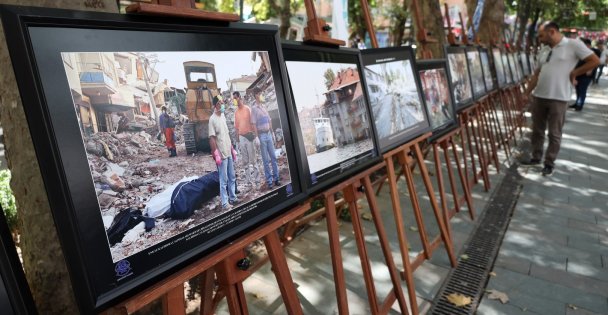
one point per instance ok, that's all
(277, 183)
(530, 162)
(573, 106)
(578, 109)
(547, 170)
(234, 202)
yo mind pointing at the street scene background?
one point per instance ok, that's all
(437, 96)
(460, 77)
(476, 72)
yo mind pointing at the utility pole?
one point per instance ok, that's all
(145, 64)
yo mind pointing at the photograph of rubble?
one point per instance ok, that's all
(524, 63)
(395, 98)
(162, 130)
(501, 78)
(437, 95)
(514, 68)
(476, 70)
(487, 69)
(332, 111)
(459, 74)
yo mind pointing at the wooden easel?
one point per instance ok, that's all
(224, 261)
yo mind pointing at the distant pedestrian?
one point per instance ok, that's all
(262, 126)
(603, 57)
(584, 80)
(245, 137)
(167, 126)
(551, 90)
(221, 149)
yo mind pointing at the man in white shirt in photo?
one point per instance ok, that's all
(551, 89)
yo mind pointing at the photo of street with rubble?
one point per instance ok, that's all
(437, 96)
(487, 73)
(479, 87)
(144, 120)
(332, 112)
(460, 77)
(394, 97)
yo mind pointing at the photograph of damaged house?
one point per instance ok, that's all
(333, 113)
(123, 123)
(132, 168)
(437, 94)
(395, 99)
(459, 74)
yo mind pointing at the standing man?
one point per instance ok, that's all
(551, 90)
(221, 149)
(603, 55)
(262, 126)
(167, 126)
(245, 137)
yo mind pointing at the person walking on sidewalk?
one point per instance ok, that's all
(550, 88)
(603, 56)
(584, 80)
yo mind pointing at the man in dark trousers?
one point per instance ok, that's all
(585, 79)
(550, 88)
(167, 126)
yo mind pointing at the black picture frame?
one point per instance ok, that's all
(390, 76)
(499, 69)
(489, 74)
(36, 38)
(15, 295)
(476, 72)
(316, 117)
(434, 73)
(459, 76)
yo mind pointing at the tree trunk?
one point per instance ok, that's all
(43, 260)
(491, 23)
(432, 19)
(524, 14)
(285, 19)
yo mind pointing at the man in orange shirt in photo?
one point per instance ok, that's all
(245, 138)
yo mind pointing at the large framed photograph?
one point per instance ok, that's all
(476, 71)
(514, 68)
(336, 134)
(508, 69)
(159, 141)
(435, 82)
(397, 107)
(488, 75)
(499, 68)
(459, 76)
(525, 63)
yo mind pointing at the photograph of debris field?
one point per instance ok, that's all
(168, 180)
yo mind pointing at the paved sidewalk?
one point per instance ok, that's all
(554, 257)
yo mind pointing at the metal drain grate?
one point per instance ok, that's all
(471, 275)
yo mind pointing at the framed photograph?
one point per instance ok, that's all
(533, 63)
(508, 70)
(436, 88)
(476, 71)
(514, 68)
(488, 74)
(499, 68)
(459, 75)
(335, 130)
(396, 102)
(525, 63)
(134, 121)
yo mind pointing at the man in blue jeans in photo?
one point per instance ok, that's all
(221, 149)
(262, 126)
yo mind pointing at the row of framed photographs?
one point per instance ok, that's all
(476, 71)
(330, 114)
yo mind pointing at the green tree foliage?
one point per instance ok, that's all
(329, 76)
(227, 6)
(356, 20)
(399, 14)
(283, 9)
(7, 200)
(208, 5)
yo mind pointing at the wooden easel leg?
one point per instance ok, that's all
(386, 250)
(467, 126)
(464, 182)
(493, 155)
(464, 156)
(207, 283)
(441, 188)
(448, 163)
(447, 241)
(480, 152)
(351, 198)
(174, 301)
(411, 187)
(281, 272)
(336, 254)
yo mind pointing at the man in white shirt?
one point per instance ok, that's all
(551, 88)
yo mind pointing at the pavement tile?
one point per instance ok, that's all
(585, 226)
(575, 310)
(570, 280)
(513, 264)
(584, 268)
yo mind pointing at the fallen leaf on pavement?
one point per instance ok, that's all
(493, 274)
(459, 299)
(572, 306)
(366, 216)
(497, 295)
(464, 256)
(413, 228)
